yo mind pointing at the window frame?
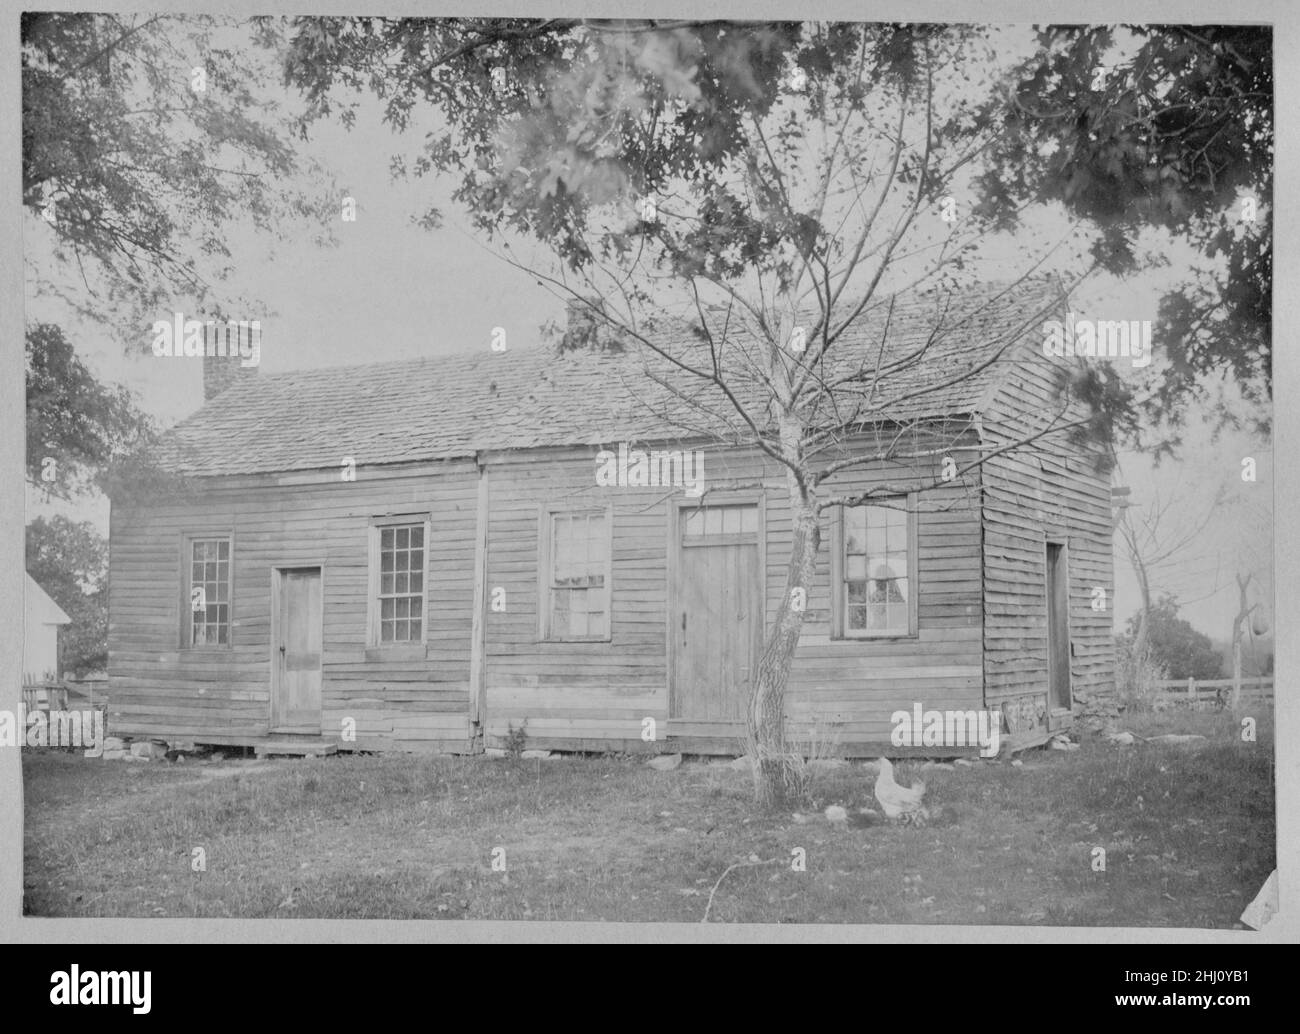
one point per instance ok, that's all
(373, 605)
(188, 541)
(839, 605)
(687, 539)
(545, 547)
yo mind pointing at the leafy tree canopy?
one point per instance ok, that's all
(142, 143)
(77, 428)
(69, 560)
(1169, 127)
(548, 121)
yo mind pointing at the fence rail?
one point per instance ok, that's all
(48, 693)
(1211, 692)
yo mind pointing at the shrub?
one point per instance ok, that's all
(1137, 678)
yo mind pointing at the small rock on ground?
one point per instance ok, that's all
(1125, 739)
(665, 762)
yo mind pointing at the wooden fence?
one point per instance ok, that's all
(1211, 693)
(51, 694)
(66, 694)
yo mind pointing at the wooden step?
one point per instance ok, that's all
(298, 746)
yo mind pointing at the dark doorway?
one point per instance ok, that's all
(1058, 627)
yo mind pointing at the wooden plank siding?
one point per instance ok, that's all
(1052, 494)
(850, 687)
(573, 691)
(563, 693)
(409, 697)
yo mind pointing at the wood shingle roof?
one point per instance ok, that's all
(457, 405)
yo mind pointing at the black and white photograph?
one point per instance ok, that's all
(646, 469)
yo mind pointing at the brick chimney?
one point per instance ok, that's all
(231, 354)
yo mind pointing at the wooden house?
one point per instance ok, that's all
(427, 555)
(42, 618)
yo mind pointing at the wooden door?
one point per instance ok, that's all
(718, 614)
(1058, 628)
(296, 651)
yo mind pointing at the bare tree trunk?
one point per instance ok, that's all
(1139, 565)
(1238, 633)
(1140, 638)
(773, 764)
(1236, 674)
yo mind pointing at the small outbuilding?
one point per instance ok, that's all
(42, 618)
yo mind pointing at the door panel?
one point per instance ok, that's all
(718, 627)
(296, 652)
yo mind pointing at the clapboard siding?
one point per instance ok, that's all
(848, 688)
(562, 693)
(1054, 493)
(396, 700)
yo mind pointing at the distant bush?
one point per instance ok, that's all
(1175, 645)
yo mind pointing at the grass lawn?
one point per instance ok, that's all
(1188, 834)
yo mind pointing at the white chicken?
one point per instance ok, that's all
(898, 801)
